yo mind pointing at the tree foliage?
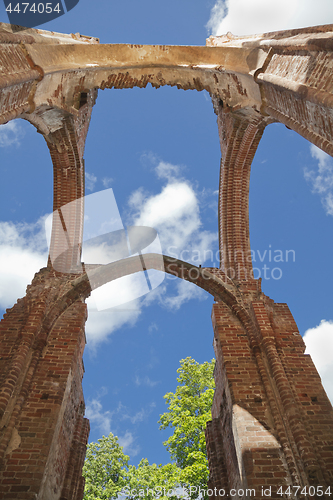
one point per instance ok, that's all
(151, 481)
(106, 468)
(189, 409)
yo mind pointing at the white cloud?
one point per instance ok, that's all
(145, 381)
(154, 360)
(106, 421)
(22, 253)
(319, 344)
(102, 420)
(186, 291)
(101, 324)
(99, 418)
(167, 171)
(139, 416)
(10, 134)
(91, 180)
(217, 14)
(175, 214)
(152, 327)
(244, 17)
(127, 441)
(107, 181)
(320, 155)
(322, 179)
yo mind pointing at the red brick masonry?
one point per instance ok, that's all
(271, 433)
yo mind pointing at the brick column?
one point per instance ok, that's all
(43, 433)
(239, 139)
(271, 418)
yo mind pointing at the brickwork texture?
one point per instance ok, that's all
(272, 423)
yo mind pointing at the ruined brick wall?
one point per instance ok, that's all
(43, 432)
(271, 420)
(270, 414)
(295, 79)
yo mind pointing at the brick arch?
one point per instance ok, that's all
(239, 139)
(42, 344)
(211, 280)
(75, 288)
(72, 69)
(51, 83)
(249, 324)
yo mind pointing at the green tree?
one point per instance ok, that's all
(106, 468)
(189, 409)
(151, 481)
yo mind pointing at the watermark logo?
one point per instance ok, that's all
(104, 241)
(32, 14)
(266, 264)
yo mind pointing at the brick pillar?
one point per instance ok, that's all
(43, 431)
(66, 140)
(271, 418)
(239, 139)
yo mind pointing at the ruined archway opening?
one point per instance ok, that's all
(31, 190)
(26, 194)
(289, 229)
(142, 130)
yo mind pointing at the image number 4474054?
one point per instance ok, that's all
(34, 13)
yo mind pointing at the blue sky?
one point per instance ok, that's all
(159, 148)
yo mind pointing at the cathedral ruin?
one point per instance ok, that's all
(272, 423)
